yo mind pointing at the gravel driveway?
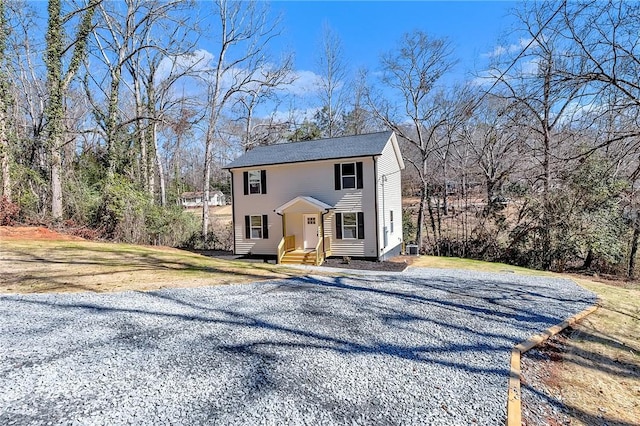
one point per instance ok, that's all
(420, 347)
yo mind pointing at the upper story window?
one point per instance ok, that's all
(391, 220)
(255, 182)
(348, 175)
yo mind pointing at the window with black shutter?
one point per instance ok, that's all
(256, 227)
(350, 226)
(255, 182)
(348, 175)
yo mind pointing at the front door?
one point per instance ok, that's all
(310, 228)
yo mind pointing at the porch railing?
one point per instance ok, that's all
(320, 255)
(286, 244)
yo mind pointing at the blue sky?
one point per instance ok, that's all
(368, 28)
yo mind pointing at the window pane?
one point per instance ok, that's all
(349, 232)
(256, 221)
(256, 233)
(254, 182)
(348, 182)
(349, 169)
(349, 219)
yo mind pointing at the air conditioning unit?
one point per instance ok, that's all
(412, 249)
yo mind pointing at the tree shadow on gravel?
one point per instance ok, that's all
(507, 294)
(406, 318)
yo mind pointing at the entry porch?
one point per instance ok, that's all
(306, 238)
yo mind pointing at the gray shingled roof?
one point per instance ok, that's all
(320, 149)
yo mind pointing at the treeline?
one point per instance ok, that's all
(535, 163)
(110, 110)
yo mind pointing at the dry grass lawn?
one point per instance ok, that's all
(599, 377)
(70, 265)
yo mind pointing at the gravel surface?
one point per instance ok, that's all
(418, 347)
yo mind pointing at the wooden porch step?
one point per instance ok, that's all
(297, 257)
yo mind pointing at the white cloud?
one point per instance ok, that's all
(512, 48)
(306, 83)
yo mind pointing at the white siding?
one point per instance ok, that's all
(389, 198)
(315, 179)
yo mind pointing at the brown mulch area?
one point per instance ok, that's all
(367, 265)
(32, 233)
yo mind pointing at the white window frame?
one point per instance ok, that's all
(253, 227)
(343, 175)
(354, 226)
(255, 178)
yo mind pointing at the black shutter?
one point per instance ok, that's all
(245, 176)
(360, 225)
(359, 174)
(339, 226)
(337, 176)
(263, 181)
(247, 227)
(265, 228)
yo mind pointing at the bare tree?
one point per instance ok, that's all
(546, 98)
(603, 42)
(166, 60)
(243, 30)
(495, 144)
(358, 120)
(411, 72)
(333, 73)
(253, 96)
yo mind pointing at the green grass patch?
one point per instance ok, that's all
(476, 265)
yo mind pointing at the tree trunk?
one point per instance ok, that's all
(205, 191)
(4, 104)
(547, 256)
(4, 153)
(54, 111)
(161, 177)
(420, 221)
(141, 134)
(56, 181)
(634, 249)
(588, 260)
(57, 85)
(114, 149)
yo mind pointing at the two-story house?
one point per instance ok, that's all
(304, 201)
